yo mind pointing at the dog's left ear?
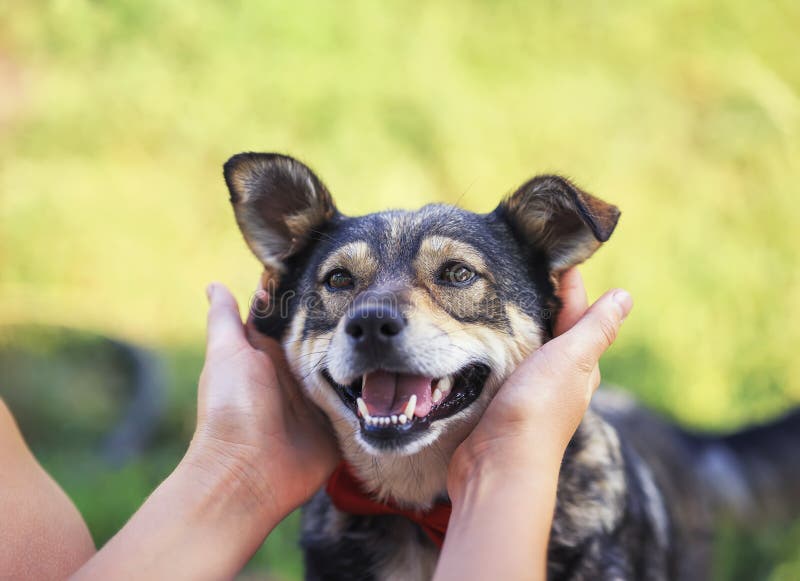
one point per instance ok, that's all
(279, 204)
(563, 221)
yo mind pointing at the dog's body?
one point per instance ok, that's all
(403, 325)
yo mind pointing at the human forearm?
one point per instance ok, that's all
(500, 524)
(42, 535)
(202, 522)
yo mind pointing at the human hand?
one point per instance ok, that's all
(538, 408)
(258, 452)
(255, 429)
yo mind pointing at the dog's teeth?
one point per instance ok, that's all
(437, 395)
(362, 407)
(411, 406)
(388, 420)
(445, 385)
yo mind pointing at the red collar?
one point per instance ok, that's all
(348, 495)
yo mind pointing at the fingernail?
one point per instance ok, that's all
(209, 291)
(624, 300)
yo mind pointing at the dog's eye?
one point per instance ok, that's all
(456, 273)
(339, 279)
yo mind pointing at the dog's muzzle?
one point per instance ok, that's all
(396, 408)
(395, 400)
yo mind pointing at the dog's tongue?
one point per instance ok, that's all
(388, 393)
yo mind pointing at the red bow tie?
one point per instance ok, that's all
(348, 495)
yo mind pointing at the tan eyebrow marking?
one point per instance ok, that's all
(435, 250)
(357, 257)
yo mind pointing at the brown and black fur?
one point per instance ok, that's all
(637, 496)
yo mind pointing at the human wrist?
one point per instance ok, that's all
(515, 461)
(490, 485)
(232, 478)
(201, 508)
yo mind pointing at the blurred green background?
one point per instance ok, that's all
(115, 119)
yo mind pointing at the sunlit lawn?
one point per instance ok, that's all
(115, 119)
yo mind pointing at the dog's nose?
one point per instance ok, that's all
(374, 324)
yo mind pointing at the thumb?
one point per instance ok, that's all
(225, 329)
(589, 338)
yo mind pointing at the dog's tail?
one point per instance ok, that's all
(753, 476)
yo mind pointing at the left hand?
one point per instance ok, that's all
(255, 428)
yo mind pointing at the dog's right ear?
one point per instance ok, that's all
(279, 204)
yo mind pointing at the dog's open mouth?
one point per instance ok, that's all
(389, 404)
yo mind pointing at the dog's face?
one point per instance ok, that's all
(401, 325)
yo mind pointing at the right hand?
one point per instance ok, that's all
(537, 410)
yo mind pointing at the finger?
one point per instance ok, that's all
(264, 343)
(225, 329)
(274, 352)
(256, 338)
(589, 338)
(574, 300)
(259, 308)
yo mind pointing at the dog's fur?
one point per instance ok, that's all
(637, 497)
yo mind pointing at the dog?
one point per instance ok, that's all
(402, 325)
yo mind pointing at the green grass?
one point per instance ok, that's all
(68, 389)
(115, 119)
